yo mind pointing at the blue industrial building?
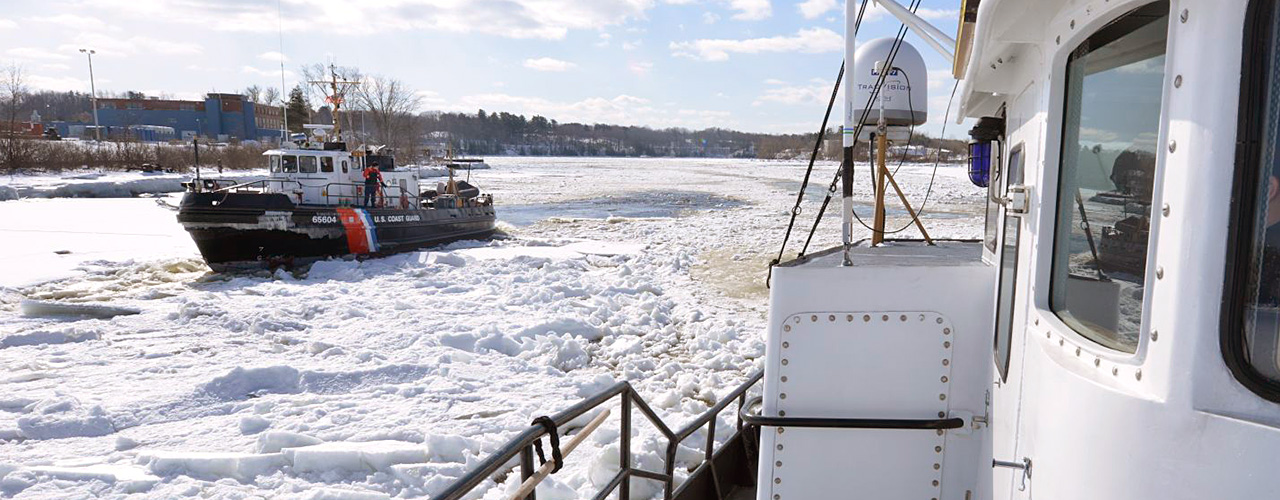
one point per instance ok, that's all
(220, 117)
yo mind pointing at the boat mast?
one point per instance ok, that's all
(846, 161)
(336, 96)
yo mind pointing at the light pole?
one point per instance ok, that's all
(94, 93)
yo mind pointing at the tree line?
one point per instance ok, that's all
(376, 109)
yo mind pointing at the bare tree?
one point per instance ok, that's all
(14, 149)
(254, 93)
(270, 95)
(391, 106)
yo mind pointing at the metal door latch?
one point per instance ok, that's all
(1024, 466)
(1018, 203)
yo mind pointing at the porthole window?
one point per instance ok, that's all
(344, 166)
(1251, 313)
(1114, 84)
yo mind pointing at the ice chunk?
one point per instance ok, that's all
(8, 193)
(44, 337)
(131, 479)
(212, 465)
(365, 456)
(253, 424)
(242, 382)
(125, 443)
(447, 259)
(336, 494)
(274, 441)
(45, 308)
(62, 417)
(450, 448)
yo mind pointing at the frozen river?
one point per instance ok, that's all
(388, 377)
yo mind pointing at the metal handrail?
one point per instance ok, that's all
(260, 182)
(522, 444)
(847, 423)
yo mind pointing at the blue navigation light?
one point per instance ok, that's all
(980, 163)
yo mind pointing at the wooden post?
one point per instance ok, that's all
(882, 144)
(529, 484)
(910, 211)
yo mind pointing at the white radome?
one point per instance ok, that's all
(904, 104)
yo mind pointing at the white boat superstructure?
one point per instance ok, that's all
(1115, 334)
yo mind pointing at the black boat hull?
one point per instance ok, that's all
(253, 230)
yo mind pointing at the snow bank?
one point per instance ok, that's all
(110, 185)
(242, 383)
(54, 335)
(369, 456)
(127, 479)
(63, 416)
(212, 465)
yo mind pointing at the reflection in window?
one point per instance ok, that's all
(1008, 270)
(307, 164)
(289, 164)
(1114, 83)
(1261, 347)
(994, 185)
(326, 164)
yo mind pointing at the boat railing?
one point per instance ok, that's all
(259, 186)
(627, 397)
(393, 192)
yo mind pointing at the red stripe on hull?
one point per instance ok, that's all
(357, 232)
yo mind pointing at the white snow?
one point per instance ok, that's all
(390, 377)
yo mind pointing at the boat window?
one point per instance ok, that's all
(289, 164)
(1008, 269)
(992, 233)
(1112, 118)
(1251, 316)
(273, 162)
(307, 164)
(344, 166)
(326, 164)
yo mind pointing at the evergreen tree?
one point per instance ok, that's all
(298, 111)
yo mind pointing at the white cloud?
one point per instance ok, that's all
(60, 84)
(273, 56)
(633, 45)
(774, 81)
(751, 10)
(936, 14)
(811, 9)
(794, 95)
(72, 21)
(810, 41)
(112, 46)
(640, 68)
(710, 17)
(7, 23)
(33, 53)
(548, 64)
(542, 19)
(269, 72)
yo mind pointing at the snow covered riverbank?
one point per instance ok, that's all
(389, 377)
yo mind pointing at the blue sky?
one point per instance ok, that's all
(754, 65)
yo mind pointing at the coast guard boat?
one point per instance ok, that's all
(1115, 334)
(312, 206)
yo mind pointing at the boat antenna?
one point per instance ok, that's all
(284, 133)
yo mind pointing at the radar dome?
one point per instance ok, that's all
(905, 91)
